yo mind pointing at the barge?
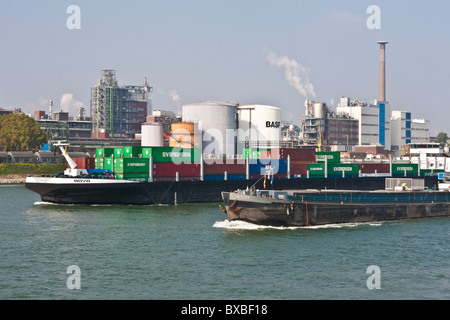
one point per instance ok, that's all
(403, 199)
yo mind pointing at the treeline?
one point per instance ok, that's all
(31, 168)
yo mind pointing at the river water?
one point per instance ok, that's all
(192, 252)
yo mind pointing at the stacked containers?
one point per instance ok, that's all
(132, 151)
(167, 161)
(131, 168)
(334, 170)
(84, 163)
(215, 169)
(104, 152)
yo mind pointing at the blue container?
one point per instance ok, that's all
(260, 166)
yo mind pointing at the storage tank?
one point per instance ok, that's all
(320, 110)
(258, 126)
(185, 135)
(214, 121)
(152, 135)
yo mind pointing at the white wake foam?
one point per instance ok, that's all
(243, 225)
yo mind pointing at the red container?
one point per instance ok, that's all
(231, 166)
(169, 169)
(296, 154)
(84, 163)
(371, 167)
(299, 167)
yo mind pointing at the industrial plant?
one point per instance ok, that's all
(123, 115)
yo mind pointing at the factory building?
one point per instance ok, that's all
(321, 127)
(405, 130)
(374, 121)
(118, 111)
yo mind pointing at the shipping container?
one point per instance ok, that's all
(295, 154)
(118, 152)
(231, 166)
(131, 165)
(332, 156)
(251, 153)
(109, 164)
(263, 165)
(132, 176)
(337, 170)
(333, 170)
(316, 169)
(104, 152)
(299, 168)
(169, 169)
(430, 172)
(175, 155)
(84, 163)
(146, 152)
(99, 163)
(372, 167)
(215, 177)
(400, 169)
(132, 151)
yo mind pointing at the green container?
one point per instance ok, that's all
(176, 155)
(146, 152)
(399, 169)
(132, 151)
(99, 163)
(316, 169)
(332, 156)
(104, 152)
(109, 163)
(251, 153)
(131, 165)
(429, 172)
(335, 169)
(118, 152)
(132, 176)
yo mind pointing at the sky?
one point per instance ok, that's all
(268, 52)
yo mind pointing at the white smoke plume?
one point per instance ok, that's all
(174, 96)
(69, 104)
(295, 73)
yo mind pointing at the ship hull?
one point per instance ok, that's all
(111, 191)
(273, 212)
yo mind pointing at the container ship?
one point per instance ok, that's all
(174, 175)
(404, 198)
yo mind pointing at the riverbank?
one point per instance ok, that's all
(13, 179)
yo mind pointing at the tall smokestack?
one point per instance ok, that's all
(382, 96)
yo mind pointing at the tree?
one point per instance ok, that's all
(19, 132)
(442, 137)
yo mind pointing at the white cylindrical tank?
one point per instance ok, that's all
(258, 126)
(216, 122)
(152, 135)
(319, 110)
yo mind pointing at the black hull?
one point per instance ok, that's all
(167, 192)
(321, 214)
(296, 214)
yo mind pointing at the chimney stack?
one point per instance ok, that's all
(382, 96)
